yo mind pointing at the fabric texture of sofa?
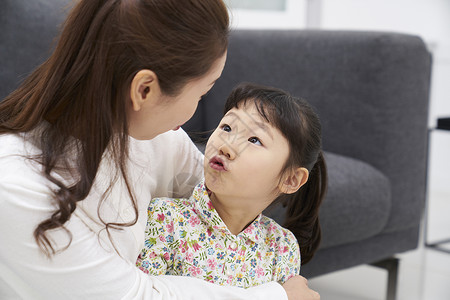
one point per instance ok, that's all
(370, 89)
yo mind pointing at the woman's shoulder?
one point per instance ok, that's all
(169, 141)
(21, 179)
(172, 150)
(12, 144)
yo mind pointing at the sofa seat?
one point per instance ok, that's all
(358, 202)
(357, 205)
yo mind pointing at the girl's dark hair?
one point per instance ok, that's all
(82, 90)
(300, 125)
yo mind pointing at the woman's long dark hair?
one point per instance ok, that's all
(300, 125)
(82, 90)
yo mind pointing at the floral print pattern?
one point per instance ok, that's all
(187, 237)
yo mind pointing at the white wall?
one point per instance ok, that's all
(429, 19)
(293, 17)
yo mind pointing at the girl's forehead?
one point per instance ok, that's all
(248, 112)
(254, 108)
(249, 117)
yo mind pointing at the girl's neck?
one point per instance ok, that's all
(236, 218)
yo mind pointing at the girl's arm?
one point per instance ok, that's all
(287, 254)
(290, 257)
(157, 256)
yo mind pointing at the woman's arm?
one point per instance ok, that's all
(85, 270)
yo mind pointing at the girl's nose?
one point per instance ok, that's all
(226, 150)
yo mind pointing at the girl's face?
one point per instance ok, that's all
(243, 159)
(153, 113)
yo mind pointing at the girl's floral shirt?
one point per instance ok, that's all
(187, 237)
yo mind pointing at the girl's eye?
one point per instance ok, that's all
(255, 140)
(226, 128)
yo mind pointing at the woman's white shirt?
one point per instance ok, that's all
(95, 265)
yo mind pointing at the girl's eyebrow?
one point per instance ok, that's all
(264, 128)
(261, 125)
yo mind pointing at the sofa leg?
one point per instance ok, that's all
(391, 265)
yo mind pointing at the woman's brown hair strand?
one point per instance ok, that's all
(81, 91)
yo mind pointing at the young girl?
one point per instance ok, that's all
(266, 149)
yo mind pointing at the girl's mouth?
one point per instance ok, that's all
(217, 163)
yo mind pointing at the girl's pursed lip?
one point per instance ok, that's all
(218, 164)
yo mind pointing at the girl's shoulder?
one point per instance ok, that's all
(270, 227)
(174, 207)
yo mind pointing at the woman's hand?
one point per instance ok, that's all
(297, 289)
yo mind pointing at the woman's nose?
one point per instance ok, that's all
(227, 150)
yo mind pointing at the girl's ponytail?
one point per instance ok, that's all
(302, 214)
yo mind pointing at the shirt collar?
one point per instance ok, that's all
(207, 213)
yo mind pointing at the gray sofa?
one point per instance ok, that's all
(371, 90)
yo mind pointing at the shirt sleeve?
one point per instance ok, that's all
(188, 169)
(157, 256)
(289, 257)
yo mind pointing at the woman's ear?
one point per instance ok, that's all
(294, 180)
(144, 89)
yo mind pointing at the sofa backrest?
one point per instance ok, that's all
(27, 31)
(370, 89)
(359, 73)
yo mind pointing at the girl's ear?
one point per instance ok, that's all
(294, 180)
(144, 89)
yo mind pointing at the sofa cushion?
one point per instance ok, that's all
(357, 204)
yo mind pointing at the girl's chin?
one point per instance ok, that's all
(214, 183)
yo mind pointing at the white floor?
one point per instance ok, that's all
(424, 273)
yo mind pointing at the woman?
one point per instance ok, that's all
(87, 142)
